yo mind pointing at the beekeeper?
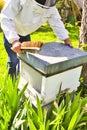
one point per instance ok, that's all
(19, 18)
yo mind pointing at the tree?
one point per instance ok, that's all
(83, 37)
(83, 30)
(69, 10)
(79, 3)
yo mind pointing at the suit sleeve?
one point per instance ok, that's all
(57, 25)
(10, 10)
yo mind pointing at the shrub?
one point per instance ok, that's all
(67, 112)
(10, 101)
(2, 3)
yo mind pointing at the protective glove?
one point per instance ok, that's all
(16, 46)
(68, 42)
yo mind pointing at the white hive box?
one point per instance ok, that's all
(55, 63)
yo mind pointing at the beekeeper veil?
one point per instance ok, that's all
(47, 3)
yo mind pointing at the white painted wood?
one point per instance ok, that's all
(51, 85)
(46, 88)
(28, 74)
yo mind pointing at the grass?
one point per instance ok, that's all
(74, 34)
(44, 34)
(3, 56)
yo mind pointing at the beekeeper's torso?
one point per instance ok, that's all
(25, 16)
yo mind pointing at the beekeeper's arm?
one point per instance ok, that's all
(10, 10)
(58, 26)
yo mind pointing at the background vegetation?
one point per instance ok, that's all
(67, 112)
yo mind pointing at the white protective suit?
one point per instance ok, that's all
(25, 16)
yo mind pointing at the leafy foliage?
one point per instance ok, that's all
(2, 2)
(68, 112)
(10, 101)
(82, 87)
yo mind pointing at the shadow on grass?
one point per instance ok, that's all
(44, 28)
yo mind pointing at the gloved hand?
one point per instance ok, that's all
(32, 44)
(68, 42)
(16, 46)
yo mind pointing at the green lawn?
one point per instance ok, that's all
(44, 34)
(3, 56)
